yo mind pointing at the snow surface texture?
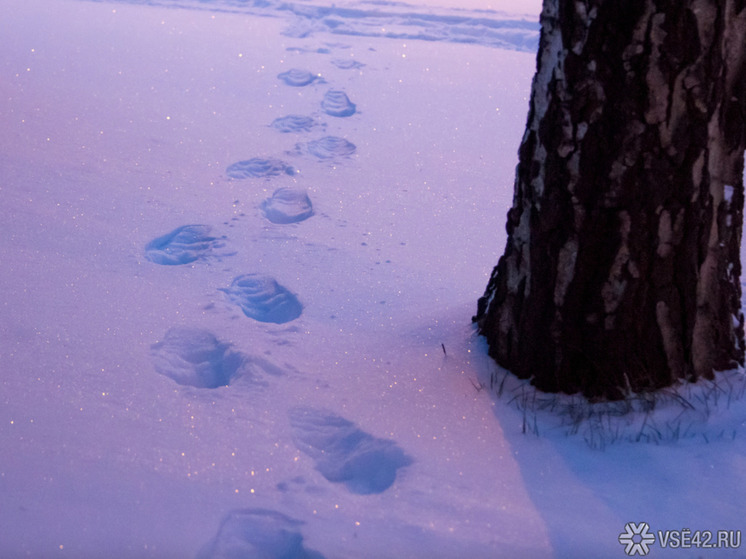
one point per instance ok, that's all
(149, 411)
(391, 19)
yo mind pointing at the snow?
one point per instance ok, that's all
(235, 323)
(728, 193)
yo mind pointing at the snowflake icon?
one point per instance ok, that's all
(636, 539)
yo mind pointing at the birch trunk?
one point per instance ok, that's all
(622, 270)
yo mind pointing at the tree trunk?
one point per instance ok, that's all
(622, 267)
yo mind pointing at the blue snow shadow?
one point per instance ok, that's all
(344, 453)
(262, 298)
(258, 533)
(183, 245)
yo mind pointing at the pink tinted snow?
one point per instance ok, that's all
(119, 122)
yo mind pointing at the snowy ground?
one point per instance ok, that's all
(195, 366)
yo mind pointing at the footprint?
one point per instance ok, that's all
(336, 103)
(195, 357)
(287, 205)
(263, 299)
(330, 147)
(347, 64)
(258, 168)
(182, 245)
(259, 533)
(299, 78)
(293, 123)
(345, 454)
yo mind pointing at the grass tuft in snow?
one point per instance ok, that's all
(705, 411)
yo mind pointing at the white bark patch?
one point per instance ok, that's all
(552, 56)
(669, 232)
(697, 169)
(655, 78)
(581, 131)
(579, 213)
(587, 18)
(665, 234)
(706, 15)
(671, 339)
(551, 68)
(573, 167)
(537, 185)
(519, 264)
(635, 47)
(617, 171)
(708, 289)
(613, 289)
(568, 255)
(677, 110)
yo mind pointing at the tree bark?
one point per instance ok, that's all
(622, 268)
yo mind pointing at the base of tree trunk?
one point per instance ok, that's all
(622, 266)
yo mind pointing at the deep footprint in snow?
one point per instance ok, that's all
(287, 205)
(344, 453)
(330, 147)
(293, 123)
(299, 78)
(195, 357)
(258, 533)
(258, 168)
(262, 298)
(336, 103)
(183, 245)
